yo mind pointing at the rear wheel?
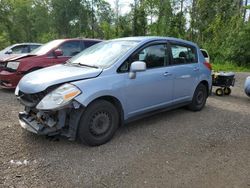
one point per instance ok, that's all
(227, 91)
(98, 123)
(219, 92)
(199, 98)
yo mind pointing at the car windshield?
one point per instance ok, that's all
(46, 47)
(6, 49)
(104, 54)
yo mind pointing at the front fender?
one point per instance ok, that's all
(85, 99)
(98, 87)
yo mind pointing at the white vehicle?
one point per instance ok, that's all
(206, 55)
(19, 48)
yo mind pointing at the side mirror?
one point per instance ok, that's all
(137, 66)
(9, 51)
(58, 52)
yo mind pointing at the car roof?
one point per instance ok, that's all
(202, 49)
(153, 38)
(83, 39)
(27, 43)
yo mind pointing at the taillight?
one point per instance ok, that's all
(208, 65)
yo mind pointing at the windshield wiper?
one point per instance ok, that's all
(85, 65)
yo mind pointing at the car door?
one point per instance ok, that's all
(185, 71)
(151, 89)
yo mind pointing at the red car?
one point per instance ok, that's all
(52, 53)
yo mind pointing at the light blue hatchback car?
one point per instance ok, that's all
(112, 83)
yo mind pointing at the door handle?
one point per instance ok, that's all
(167, 74)
(196, 69)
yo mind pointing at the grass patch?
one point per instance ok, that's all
(229, 67)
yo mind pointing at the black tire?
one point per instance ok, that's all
(199, 98)
(98, 123)
(219, 92)
(227, 90)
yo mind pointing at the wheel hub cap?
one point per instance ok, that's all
(200, 97)
(100, 123)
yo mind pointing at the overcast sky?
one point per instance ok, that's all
(124, 5)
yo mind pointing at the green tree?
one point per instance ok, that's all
(139, 17)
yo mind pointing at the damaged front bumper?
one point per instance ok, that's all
(28, 124)
(63, 122)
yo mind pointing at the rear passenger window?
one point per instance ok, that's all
(154, 56)
(183, 54)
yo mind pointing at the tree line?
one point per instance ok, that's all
(220, 26)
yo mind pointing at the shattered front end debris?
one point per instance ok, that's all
(62, 121)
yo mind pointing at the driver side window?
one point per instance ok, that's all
(154, 56)
(70, 48)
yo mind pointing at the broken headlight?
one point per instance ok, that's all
(59, 97)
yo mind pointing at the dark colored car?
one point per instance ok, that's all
(52, 53)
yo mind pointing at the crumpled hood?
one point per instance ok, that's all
(13, 57)
(39, 80)
(247, 86)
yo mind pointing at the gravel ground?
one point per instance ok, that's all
(172, 149)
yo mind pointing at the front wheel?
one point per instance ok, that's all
(98, 123)
(199, 98)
